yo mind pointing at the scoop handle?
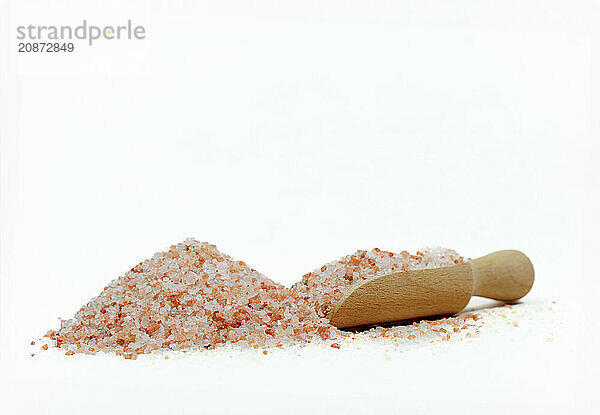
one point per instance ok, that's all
(503, 275)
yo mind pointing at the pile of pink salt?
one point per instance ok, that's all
(192, 296)
(322, 288)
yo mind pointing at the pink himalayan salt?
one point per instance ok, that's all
(190, 296)
(322, 288)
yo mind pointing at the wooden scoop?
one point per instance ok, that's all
(503, 275)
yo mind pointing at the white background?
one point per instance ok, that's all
(290, 135)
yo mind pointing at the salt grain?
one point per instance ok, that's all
(191, 296)
(194, 297)
(322, 288)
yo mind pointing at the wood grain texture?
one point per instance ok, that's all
(503, 275)
(405, 295)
